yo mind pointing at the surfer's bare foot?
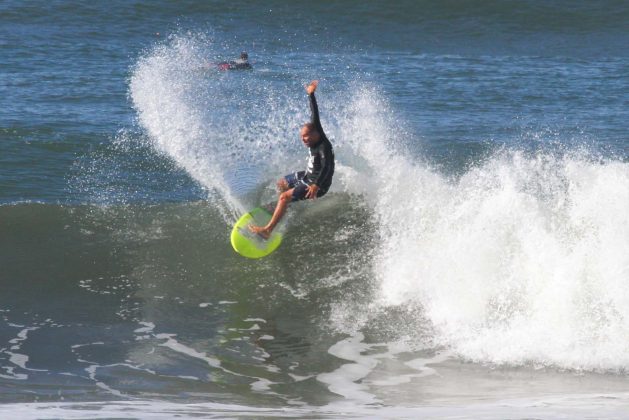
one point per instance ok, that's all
(260, 230)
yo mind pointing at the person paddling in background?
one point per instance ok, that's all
(241, 63)
(315, 181)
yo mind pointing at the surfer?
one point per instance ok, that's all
(315, 181)
(241, 63)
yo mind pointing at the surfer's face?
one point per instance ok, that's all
(309, 136)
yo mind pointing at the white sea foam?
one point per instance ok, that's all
(572, 406)
(522, 260)
(222, 129)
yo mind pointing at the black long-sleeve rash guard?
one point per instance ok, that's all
(321, 159)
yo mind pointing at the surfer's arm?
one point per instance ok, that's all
(314, 109)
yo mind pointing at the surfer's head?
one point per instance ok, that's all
(309, 134)
(244, 55)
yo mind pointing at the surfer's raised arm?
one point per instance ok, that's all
(314, 109)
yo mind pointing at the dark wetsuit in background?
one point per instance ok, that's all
(320, 162)
(235, 65)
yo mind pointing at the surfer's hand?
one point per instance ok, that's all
(312, 191)
(312, 87)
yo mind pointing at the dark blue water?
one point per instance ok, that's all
(496, 72)
(478, 217)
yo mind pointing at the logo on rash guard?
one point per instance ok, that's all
(314, 162)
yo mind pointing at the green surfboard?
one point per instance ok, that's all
(247, 243)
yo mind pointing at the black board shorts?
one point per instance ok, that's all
(299, 185)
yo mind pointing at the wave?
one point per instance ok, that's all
(520, 259)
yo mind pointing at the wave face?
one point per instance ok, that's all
(519, 259)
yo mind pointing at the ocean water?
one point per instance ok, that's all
(470, 260)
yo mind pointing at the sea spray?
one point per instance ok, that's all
(187, 108)
(521, 260)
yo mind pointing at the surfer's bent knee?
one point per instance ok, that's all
(287, 195)
(282, 185)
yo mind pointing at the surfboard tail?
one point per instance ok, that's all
(250, 244)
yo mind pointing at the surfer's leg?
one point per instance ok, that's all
(282, 185)
(282, 204)
(292, 188)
